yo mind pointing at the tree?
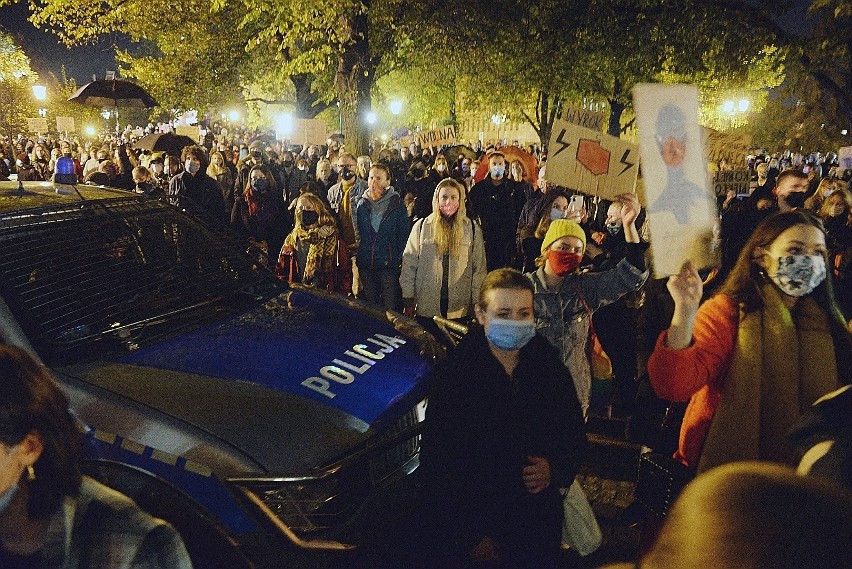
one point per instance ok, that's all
(16, 78)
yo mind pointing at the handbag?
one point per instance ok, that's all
(580, 529)
(661, 479)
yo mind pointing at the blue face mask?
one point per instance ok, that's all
(498, 171)
(556, 213)
(510, 335)
(6, 497)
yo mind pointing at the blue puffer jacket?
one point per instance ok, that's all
(382, 249)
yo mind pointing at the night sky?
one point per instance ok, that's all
(46, 53)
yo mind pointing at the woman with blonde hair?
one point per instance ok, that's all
(312, 253)
(222, 174)
(443, 264)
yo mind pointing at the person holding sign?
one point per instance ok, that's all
(565, 298)
(756, 355)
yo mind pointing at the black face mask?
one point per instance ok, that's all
(288, 163)
(418, 172)
(309, 217)
(347, 174)
(795, 199)
(255, 154)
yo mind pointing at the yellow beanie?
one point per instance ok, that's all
(560, 228)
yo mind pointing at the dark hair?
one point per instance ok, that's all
(496, 154)
(790, 173)
(503, 278)
(31, 401)
(384, 168)
(744, 283)
(197, 152)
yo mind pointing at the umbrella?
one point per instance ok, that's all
(170, 143)
(453, 152)
(511, 153)
(113, 93)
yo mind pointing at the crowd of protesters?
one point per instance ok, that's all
(418, 231)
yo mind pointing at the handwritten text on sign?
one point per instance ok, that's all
(590, 161)
(731, 181)
(582, 117)
(437, 137)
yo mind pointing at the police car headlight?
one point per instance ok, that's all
(305, 506)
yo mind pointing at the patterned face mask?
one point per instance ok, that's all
(799, 275)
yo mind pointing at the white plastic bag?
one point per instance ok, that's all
(580, 529)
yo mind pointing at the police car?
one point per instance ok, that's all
(272, 424)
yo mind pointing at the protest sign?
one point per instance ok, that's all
(582, 117)
(732, 148)
(681, 209)
(65, 124)
(436, 137)
(38, 124)
(591, 162)
(844, 158)
(193, 132)
(737, 181)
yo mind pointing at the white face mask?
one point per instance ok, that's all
(799, 275)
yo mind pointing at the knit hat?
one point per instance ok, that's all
(560, 228)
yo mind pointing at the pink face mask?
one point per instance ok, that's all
(449, 209)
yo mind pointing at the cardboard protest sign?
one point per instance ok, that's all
(681, 208)
(437, 137)
(737, 181)
(844, 158)
(733, 148)
(65, 124)
(38, 124)
(193, 132)
(582, 117)
(591, 162)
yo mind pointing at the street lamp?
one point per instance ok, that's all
(40, 92)
(371, 117)
(734, 108)
(395, 107)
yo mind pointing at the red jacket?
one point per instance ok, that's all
(697, 372)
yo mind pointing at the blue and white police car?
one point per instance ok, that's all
(272, 424)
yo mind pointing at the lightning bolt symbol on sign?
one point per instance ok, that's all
(627, 165)
(564, 144)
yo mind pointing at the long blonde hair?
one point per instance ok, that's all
(448, 234)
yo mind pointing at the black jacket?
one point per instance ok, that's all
(481, 426)
(199, 194)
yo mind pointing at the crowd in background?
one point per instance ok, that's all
(415, 230)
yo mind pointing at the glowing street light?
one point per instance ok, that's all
(106, 114)
(371, 117)
(395, 107)
(40, 92)
(742, 106)
(90, 131)
(284, 126)
(235, 116)
(728, 107)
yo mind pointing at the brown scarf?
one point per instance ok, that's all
(783, 361)
(321, 253)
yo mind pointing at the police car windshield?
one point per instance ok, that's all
(75, 275)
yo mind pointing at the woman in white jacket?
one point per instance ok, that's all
(444, 260)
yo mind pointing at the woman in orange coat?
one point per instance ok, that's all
(754, 357)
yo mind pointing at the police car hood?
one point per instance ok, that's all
(293, 384)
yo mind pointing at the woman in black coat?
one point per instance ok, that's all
(504, 432)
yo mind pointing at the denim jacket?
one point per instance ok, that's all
(562, 317)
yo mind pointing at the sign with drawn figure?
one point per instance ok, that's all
(681, 206)
(590, 161)
(582, 117)
(844, 158)
(436, 137)
(65, 124)
(38, 124)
